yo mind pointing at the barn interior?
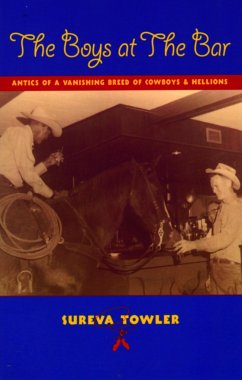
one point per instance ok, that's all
(174, 134)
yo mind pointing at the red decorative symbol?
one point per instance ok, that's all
(117, 325)
(121, 340)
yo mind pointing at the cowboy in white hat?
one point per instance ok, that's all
(223, 245)
(17, 163)
(41, 116)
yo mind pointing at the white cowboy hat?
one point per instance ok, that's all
(41, 115)
(226, 171)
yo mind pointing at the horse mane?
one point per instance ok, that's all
(112, 183)
(101, 200)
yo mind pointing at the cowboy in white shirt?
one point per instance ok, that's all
(223, 245)
(17, 163)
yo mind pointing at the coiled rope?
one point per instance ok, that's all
(36, 248)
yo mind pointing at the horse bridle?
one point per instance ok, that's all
(160, 222)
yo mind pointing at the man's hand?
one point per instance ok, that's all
(60, 194)
(54, 159)
(183, 246)
(57, 195)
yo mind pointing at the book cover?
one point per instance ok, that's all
(138, 88)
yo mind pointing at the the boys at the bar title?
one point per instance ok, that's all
(155, 44)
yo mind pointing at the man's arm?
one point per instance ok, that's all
(54, 159)
(222, 240)
(25, 162)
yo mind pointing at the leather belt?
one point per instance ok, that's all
(217, 260)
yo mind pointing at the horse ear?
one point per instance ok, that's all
(156, 161)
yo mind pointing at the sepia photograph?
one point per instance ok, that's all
(120, 192)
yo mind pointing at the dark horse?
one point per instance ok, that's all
(124, 191)
(91, 217)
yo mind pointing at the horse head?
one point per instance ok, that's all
(147, 199)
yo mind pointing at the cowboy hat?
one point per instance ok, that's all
(41, 115)
(226, 171)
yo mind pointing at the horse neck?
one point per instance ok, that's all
(146, 199)
(103, 199)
